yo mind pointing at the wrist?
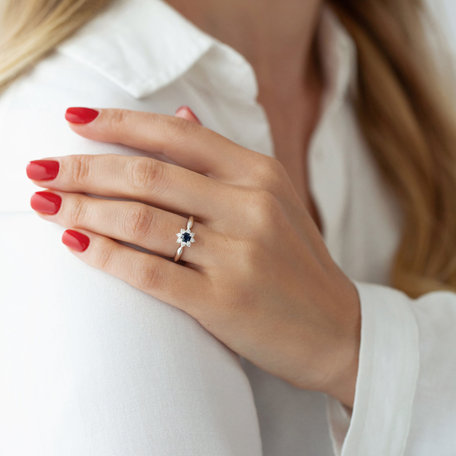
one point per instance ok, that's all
(341, 384)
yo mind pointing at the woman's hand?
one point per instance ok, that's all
(258, 276)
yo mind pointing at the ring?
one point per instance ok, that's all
(185, 238)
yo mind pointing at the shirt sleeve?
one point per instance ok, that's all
(405, 398)
(89, 364)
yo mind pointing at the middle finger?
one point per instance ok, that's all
(140, 178)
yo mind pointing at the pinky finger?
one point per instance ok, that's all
(168, 281)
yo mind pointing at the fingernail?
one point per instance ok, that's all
(46, 202)
(189, 111)
(80, 115)
(42, 169)
(75, 240)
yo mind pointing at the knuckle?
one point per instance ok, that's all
(117, 118)
(176, 130)
(105, 259)
(78, 212)
(148, 277)
(175, 124)
(145, 173)
(80, 169)
(137, 222)
(263, 208)
(184, 125)
(268, 173)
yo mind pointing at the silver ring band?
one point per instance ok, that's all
(185, 238)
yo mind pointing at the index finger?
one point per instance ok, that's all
(186, 143)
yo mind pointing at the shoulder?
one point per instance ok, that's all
(32, 123)
(137, 55)
(117, 60)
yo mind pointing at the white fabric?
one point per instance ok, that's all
(92, 366)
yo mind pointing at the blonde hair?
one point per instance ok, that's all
(404, 109)
(29, 29)
(401, 107)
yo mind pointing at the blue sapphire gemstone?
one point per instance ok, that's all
(186, 237)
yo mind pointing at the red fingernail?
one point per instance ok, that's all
(42, 169)
(189, 111)
(46, 202)
(80, 115)
(75, 240)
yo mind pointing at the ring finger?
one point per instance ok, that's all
(146, 226)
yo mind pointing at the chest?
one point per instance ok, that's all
(332, 170)
(291, 145)
(296, 164)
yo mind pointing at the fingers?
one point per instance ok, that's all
(186, 113)
(139, 178)
(186, 143)
(136, 223)
(173, 283)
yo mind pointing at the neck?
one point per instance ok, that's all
(275, 36)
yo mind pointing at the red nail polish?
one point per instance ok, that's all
(80, 115)
(42, 169)
(189, 111)
(75, 240)
(46, 202)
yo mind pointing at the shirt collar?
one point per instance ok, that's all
(141, 45)
(163, 45)
(338, 56)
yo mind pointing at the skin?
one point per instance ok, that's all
(277, 39)
(258, 276)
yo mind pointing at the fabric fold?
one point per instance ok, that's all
(387, 378)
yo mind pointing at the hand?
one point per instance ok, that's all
(258, 276)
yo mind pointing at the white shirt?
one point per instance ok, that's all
(92, 366)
